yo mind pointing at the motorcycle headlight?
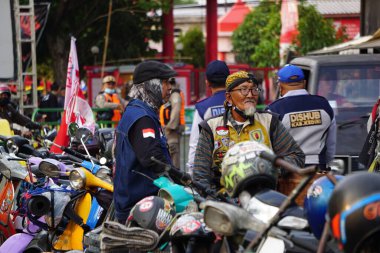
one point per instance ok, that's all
(228, 219)
(261, 210)
(104, 174)
(49, 168)
(12, 147)
(218, 221)
(337, 165)
(293, 222)
(77, 179)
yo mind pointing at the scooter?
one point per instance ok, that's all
(186, 231)
(54, 170)
(12, 176)
(261, 230)
(77, 211)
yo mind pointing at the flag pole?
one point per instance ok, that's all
(106, 37)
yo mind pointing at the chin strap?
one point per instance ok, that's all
(242, 114)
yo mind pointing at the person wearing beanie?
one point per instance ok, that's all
(139, 137)
(308, 118)
(240, 122)
(216, 75)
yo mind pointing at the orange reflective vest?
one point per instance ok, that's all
(114, 98)
(166, 109)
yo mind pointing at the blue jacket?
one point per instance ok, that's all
(211, 106)
(129, 186)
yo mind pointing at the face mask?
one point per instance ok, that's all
(109, 91)
(4, 101)
(244, 113)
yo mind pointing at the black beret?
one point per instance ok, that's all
(148, 70)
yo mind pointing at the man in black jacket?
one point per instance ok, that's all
(50, 100)
(9, 112)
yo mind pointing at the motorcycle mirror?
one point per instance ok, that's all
(73, 127)
(228, 219)
(4, 170)
(83, 134)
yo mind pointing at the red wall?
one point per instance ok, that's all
(352, 25)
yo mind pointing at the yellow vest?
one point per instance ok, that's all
(226, 136)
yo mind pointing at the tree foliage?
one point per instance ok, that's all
(182, 2)
(248, 35)
(193, 47)
(316, 32)
(256, 40)
(131, 29)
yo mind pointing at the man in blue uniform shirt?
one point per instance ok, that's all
(139, 137)
(216, 75)
(309, 118)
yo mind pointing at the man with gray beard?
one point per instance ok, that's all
(240, 122)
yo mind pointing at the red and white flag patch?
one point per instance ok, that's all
(148, 132)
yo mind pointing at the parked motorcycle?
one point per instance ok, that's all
(186, 230)
(265, 220)
(12, 176)
(65, 233)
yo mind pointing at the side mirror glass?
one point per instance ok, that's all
(73, 128)
(83, 134)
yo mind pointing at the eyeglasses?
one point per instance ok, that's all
(245, 90)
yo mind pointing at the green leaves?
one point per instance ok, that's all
(193, 44)
(133, 24)
(256, 40)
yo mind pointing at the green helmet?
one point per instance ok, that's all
(244, 170)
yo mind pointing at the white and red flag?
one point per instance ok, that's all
(76, 107)
(148, 132)
(289, 26)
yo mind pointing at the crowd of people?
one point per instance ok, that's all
(298, 126)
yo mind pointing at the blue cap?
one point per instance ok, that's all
(217, 72)
(290, 74)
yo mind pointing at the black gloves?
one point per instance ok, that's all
(33, 125)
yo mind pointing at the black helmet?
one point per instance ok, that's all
(153, 213)
(191, 225)
(243, 169)
(353, 212)
(5, 89)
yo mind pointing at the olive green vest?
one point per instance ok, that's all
(226, 136)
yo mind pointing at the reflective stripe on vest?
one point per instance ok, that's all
(114, 98)
(166, 109)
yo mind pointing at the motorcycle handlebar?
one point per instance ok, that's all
(74, 158)
(182, 176)
(73, 152)
(78, 157)
(187, 181)
(280, 162)
(23, 157)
